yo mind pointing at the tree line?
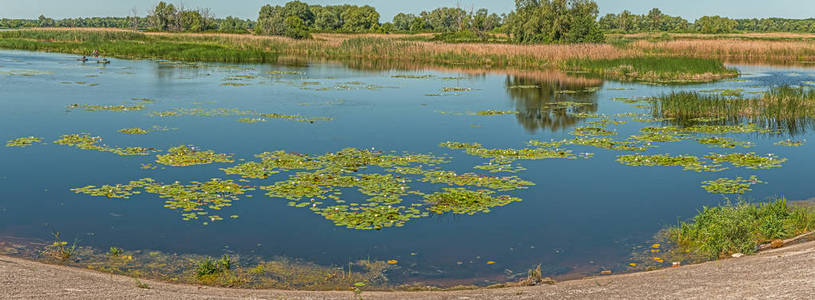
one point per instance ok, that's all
(656, 21)
(532, 21)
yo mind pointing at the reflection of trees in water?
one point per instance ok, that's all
(536, 101)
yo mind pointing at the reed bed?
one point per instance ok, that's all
(732, 50)
(783, 108)
(238, 48)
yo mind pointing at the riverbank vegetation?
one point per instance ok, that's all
(591, 58)
(785, 107)
(741, 228)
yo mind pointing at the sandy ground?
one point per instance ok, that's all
(786, 273)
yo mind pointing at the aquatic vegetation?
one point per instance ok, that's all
(133, 131)
(779, 107)
(748, 160)
(690, 163)
(592, 131)
(405, 76)
(790, 143)
(209, 266)
(723, 142)
(740, 228)
(86, 142)
(226, 112)
(662, 137)
(725, 92)
(370, 216)
(463, 201)
(606, 122)
(23, 142)
(507, 156)
(119, 191)
(455, 89)
(59, 249)
(140, 131)
(112, 108)
(274, 162)
(251, 120)
(470, 179)
(730, 186)
(188, 155)
(495, 112)
(234, 84)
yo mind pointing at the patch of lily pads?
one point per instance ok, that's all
(23, 142)
(194, 200)
(189, 155)
(730, 186)
(87, 142)
(251, 116)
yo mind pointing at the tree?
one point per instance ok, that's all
(360, 18)
(163, 16)
(295, 28)
(42, 21)
(191, 21)
(326, 19)
(555, 21)
(401, 21)
(715, 24)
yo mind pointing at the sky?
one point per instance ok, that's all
(689, 9)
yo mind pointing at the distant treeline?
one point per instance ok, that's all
(656, 21)
(532, 21)
(163, 17)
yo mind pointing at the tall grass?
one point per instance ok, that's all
(247, 48)
(741, 228)
(781, 108)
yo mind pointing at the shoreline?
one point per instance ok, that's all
(787, 272)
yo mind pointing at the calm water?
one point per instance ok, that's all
(582, 214)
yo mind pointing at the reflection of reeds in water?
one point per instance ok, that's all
(539, 100)
(783, 108)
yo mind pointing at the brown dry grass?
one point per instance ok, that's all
(733, 50)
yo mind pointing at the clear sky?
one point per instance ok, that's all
(690, 9)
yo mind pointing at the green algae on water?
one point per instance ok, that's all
(23, 142)
(730, 186)
(188, 155)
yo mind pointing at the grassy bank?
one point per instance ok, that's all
(592, 58)
(740, 228)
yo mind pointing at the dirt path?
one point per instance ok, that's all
(787, 273)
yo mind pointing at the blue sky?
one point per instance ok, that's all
(690, 9)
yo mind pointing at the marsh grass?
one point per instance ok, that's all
(373, 49)
(740, 228)
(655, 69)
(781, 108)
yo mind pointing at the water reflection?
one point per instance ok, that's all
(536, 100)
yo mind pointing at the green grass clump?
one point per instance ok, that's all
(740, 228)
(209, 266)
